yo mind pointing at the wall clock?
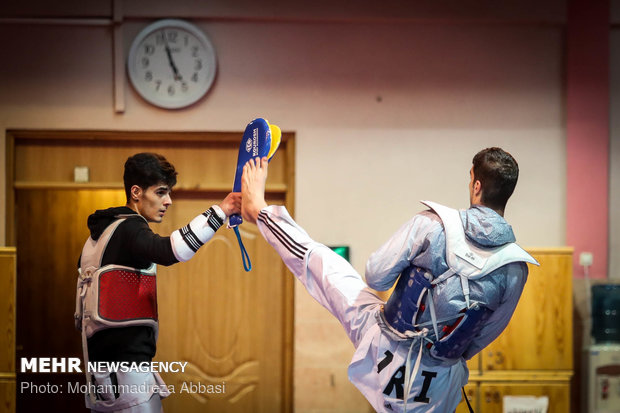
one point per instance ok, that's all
(171, 63)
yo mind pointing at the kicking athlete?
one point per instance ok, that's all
(459, 277)
(116, 305)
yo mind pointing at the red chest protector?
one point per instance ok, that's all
(113, 295)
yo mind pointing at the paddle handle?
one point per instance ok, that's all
(234, 220)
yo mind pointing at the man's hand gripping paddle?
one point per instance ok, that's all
(260, 139)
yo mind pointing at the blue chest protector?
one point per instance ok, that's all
(413, 294)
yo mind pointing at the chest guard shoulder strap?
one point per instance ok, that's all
(113, 295)
(468, 260)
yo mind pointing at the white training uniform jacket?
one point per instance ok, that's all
(379, 365)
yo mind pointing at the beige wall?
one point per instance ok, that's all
(387, 110)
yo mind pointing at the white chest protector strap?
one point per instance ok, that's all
(466, 259)
(112, 295)
(469, 262)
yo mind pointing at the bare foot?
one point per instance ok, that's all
(253, 189)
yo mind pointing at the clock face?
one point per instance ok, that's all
(171, 63)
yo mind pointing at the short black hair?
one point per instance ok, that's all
(497, 172)
(147, 169)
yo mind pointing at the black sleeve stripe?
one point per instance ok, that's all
(283, 241)
(214, 223)
(289, 243)
(213, 219)
(286, 237)
(190, 238)
(292, 242)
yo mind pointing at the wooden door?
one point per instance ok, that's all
(234, 329)
(541, 327)
(51, 233)
(226, 323)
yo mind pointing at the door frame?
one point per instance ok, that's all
(94, 138)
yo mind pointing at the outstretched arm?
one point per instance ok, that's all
(187, 240)
(385, 265)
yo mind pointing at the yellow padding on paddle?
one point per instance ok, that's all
(276, 137)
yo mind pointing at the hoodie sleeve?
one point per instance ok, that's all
(138, 246)
(385, 265)
(143, 246)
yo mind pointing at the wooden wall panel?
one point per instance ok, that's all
(202, 164)
(492, 395)
(8, 262)
(471, 389)
(533, 356)
(7, 396)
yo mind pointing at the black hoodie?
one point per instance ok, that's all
(133, 244)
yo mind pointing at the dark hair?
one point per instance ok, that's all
(497, 172)
(147, 169)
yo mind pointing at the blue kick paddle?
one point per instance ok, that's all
(260, 139)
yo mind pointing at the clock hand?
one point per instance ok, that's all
(177, 76)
